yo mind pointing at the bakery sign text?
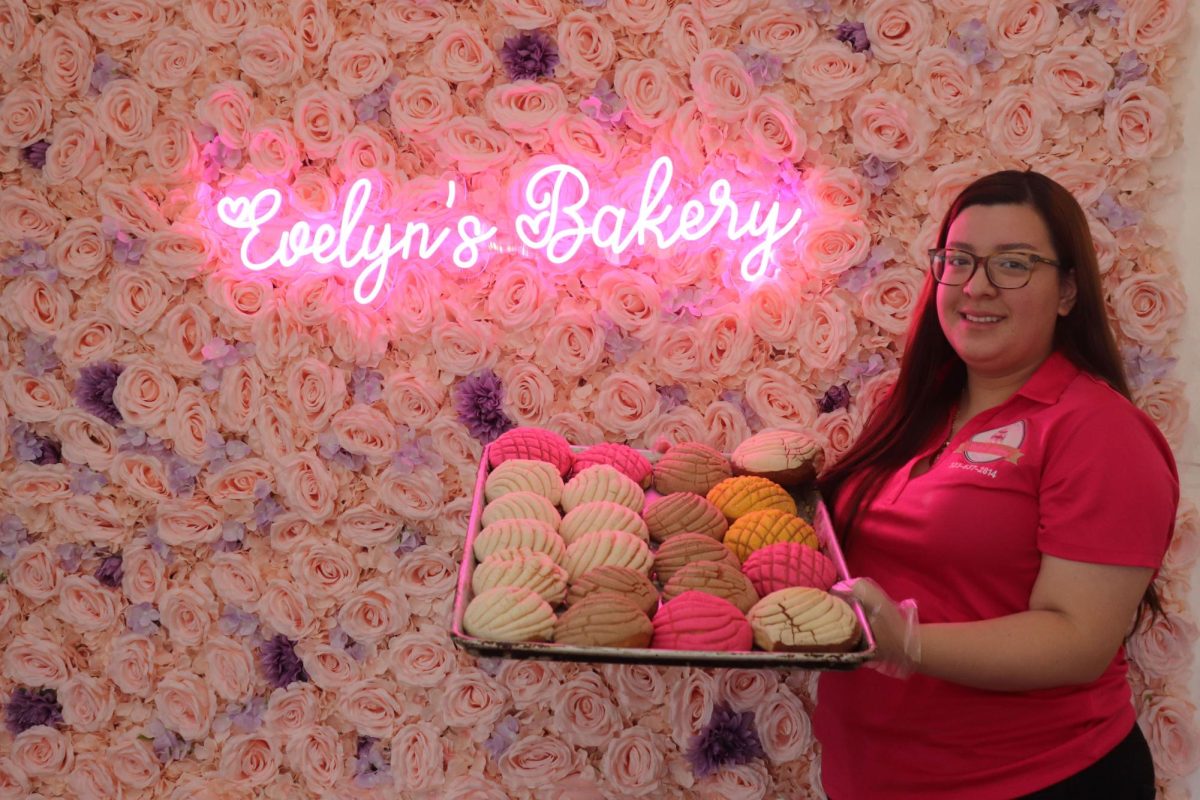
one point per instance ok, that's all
(560, 216)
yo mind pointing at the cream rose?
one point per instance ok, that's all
(273, 433)
(372, 613)
(171, 149)
(1022, 26)
(684, 36)
(898, 29)
(586, 45)
(366, 525)
(461, 54)
(359, 64)
(537, 761)
(182, 251)
(413, 22)
(33, 399)
(185, 703)
(626, 404)
(648, 90)
(1165, 403)
(1147, 24)
(273, 151)
(321, 118)
(826, 331)
(529, 682)
(284, 608)
(143, 577)
(366, 431)
(43, 308)
(638, 16)
(34, 659)
(92, 518)
(473, 700)
(138, 298)
(126, 112)
(427, 574)
(80, 250)
(417, 494)
(292, 710)
(269, 56)
(831, 71)
(773, 129)
(190, 423)
(891, 127)
(780, 31)
(738, 782)
(25, 116)
(134, 763)
(324, 569)
(328, 667)
(42, 752)
(187, 613)
(67, 57)
(120, 21)
(421, 659)
(892, 296)
(226, 107)
(630, 299)
(572, 343)
(830, 246)
(420, 105)
(87, 703)
(1136, 122)
(574, 429)
(316, 755)
(1166, 721)
(236, 578)
(779, 399)
(1149, 307)
(1075, 78)
(525, 105)
(289, 531)
(314, 26)
(131, 664)
(171, 57)
(418, 754)
(951, 87)
(528, 394)
(1016, 121)
(726, 344)
(228, 665)
(91, 337)
(475, 146)
(86, 605)
(316, 392)
(1164, 648)
(25, 214)
(142, 476)
(723, 89)
(30, 486)
(837, 430)
(583, 140)
(583, 712)
(188, 523)
(144, 394)
(92, 778)
(369, 707)
(633, 762)
(34, 572)
(308, 487)
(181, 335)
(240, 298)
(250, 760)
(240, 395)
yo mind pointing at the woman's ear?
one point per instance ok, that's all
(1066, 292)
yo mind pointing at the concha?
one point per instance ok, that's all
(599, 548)
(604, 620)
(715, 578)
(614, 454)
(527, 568)
(603, 515)
(690, 467)
(743, 494)
(802, 618)
(683, 512)
(509, 614)
(521, 505)
(622, 581)
(757, 529)
(700, 621)
(790, 458)
(532, 534)
(686, 548)
(524, 475)
(785, 564)
(537, 444)
(602, 482)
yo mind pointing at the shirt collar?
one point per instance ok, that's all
(1050, 380)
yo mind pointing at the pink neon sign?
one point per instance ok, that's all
(563, 216)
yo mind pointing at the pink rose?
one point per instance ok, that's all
(42, 752)
(684, 36)
(525, 105)
(898, 29)
(528, 394)
(359, 64)
(463, 346)
(25, 117)
(34, 659)
(838, 430)
(236, 578)
(86, 605)
(34, 573)
(413, 398)
(1167, 723)
(783, 726)
(529, 682)
(188, 523)
(138, 298)
(126, 112)
(308, 487)
(131, 664)
(1148, 307)
(250, 760)
(418, 754)
(369, 707)
(1136, 122)
(780, 32)
(1147, 24)
(87, 703)
(416, 494)
(171, 57)
(366, 526)
(891, 127)
(1165, 403)
(119, 21)
(648, 90)
(67, 57)
(324, 569)
(626, 404)
(950, 86)
(740, 782)
(314, 28)
(292, 710)
(473, 700)
(34, 399)
(631, 300)
(836, 191)
(831, 71)
(779, 399)
(9, 607)
(690, 703)
(636, 687)
(95, 519)
(1022, 26)
(278, 339)
(30, 486)
(585, 45)
(322, 118)
(14, 784)
(240, 298)
(240, 395)
(773, 129)
(171, 148)
(284, 608)
(1016, 120)
(187, 613)
(316, 392)
(745, 689)
(723, 89)
(328, 667)
(537, 761)
(420, 104)
(830, 246)
(134, 763)
(575, 430)
(584, 714)
(228, 665)
(218, 21)
(43, 308)
(1075, 78)
(572, 343)
(24, 214)
(92, 778)
(181, 336)
(826, 331)
(234, 487)
(892, 296)
(273, 150)
(427, 578)
(726, 344)
(80, 250)
(144, 394)
(180, 252)
(273, 433)
(142, 575)
(421, 659)
(316, 754)
(1164, 648)
(91, 337)
(226, 107)
(268, 56)
(529, 14)
(677, 351)
(289, 531)
(462, 55)
(142, 476)
(633, 762)
(474, 146)
(410, 23)
(186, 704)
(638, 16)
(584, 141)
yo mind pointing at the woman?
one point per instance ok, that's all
(1009, 490)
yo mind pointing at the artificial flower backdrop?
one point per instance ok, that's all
(232, 504)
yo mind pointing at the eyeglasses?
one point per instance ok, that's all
(1003, 270)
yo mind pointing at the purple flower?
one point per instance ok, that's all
(235, 622)
(369, 105)
(13, 535)
(879, 173)
(181, 475)
(409, 540)
(672, 396)
(836, 397)
(765, 68)
(863, 369)
(619, 344)
(110, 571)
(1103, 9)
(35, 154)
(217, 157)
(479, 400)
(529, 55)
(1144, 366)
(142, 618)
(416, 451)
(489, 666)
(592, 3)
(232, 534)
(738, 400)
(1130, 68)
(366, 385)
(503, 735)
(370, 765)
(33, 447)
(813, 6)
(249, 717)
(604, 104)
(329, 449)
(1114, 215)
(32, 258)
(168, 745)
(855, 35)
(265, 512)
(127, 249)
(69, 556)
(280, 663)
(970, 40)
(341, 640)
(104, 70)
(728, 738)
(40, 357)
(94, 390)
(29, 707)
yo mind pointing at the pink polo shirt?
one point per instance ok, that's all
(1065, 467)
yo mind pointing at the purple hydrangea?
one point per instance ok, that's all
(1130, 68)
(764, 67)
(970, 40)
(865, 368)
(247, 718)
(738, 400)
(265, 511)
(330, 450)
(40, 357)
(489, 665)
(1143, 365)
(504, 733)
(604, 104)
(529, 55)
(104, 71)
(232, 534)
(369, 105)
(1113, 214)
(813, 6)
(235, 622)
(834, 398)
(879, 173)
(366, 385)
(479, 400)
(410, 540)
(855, 35)
(110, 571)
(181, 475)
(620, 345)
(342, 641)
(33, 447)
(29, 707)
(1103, 9)
(728, 738)
(127, 249)
(142, 618)
(672, 396)
(94, 390)
(168, 745)
(414, 451)
(280, 663)
(32, 258)
(217, 157)
(35, 154)
(70, 555)
(13, 535)
(155, 543)
(370, 764)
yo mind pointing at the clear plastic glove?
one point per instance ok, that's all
(895, 625)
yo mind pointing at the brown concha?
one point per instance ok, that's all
(602, 515)
(788, 457)
(684, 512)
(690, 467)
(716, 578)
(622, 581)
(687, 548)
(604, 620)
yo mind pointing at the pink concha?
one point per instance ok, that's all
(788, 564)
(538, 444)
(621, 456)
(699, 621)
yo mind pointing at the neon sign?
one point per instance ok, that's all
(563, 216)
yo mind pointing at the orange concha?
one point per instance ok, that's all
(756, 530)
(745, 493)
(537, 444)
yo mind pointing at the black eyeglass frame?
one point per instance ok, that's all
(985, 260)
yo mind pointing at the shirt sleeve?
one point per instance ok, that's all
(1109, 488)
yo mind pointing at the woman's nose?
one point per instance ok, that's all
(979, 285)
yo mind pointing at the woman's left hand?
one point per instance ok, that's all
(895, 626)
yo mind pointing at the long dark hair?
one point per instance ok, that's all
(932, 376)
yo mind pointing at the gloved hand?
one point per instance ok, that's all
(895, 625)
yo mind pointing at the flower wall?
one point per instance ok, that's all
(232, 503)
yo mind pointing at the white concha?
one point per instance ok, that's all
(509, 614)
(528, 533)
(602, 515)
(525, 475)
(603, 482)
(600, 548)
(528, 568)
(521, 505)
(803, 618)
(784, 456)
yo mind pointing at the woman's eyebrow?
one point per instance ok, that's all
(999, 248)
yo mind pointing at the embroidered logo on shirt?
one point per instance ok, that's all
(996, 444)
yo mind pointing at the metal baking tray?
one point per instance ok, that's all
(811, 507)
